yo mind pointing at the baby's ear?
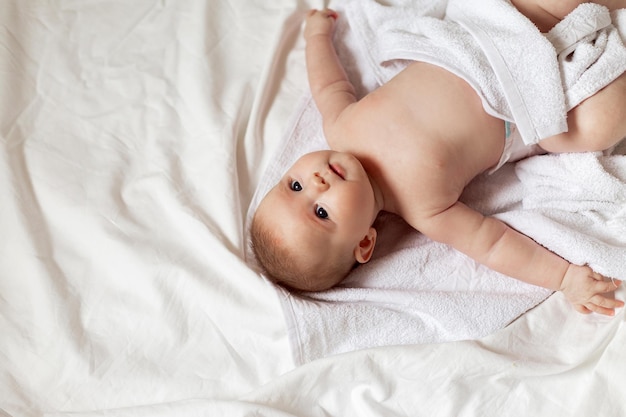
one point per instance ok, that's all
(363, 252)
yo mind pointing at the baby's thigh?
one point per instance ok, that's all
(596, 124)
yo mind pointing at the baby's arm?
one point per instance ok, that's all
(496, 245)
(330, 87)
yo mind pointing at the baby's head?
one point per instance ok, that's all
(313, 227)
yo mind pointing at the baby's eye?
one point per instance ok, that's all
(295, 186)
(321, 212)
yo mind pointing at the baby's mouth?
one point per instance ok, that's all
(338, 171)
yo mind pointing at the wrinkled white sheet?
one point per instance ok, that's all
(132, 135)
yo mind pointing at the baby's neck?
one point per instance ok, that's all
(379, 197)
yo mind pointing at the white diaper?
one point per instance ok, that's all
(515, 148)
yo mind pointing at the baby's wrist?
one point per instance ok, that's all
(562, 284)
(317, 35)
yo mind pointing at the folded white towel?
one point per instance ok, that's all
(512, 66)
(481, 41)
(575, 205)
(591, 52)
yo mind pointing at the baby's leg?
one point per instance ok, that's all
(596, 124)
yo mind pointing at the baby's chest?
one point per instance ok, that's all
(422, 185)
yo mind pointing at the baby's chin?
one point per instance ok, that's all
(319, 286)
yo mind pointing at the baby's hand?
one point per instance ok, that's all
(319, 22)
(585, 288)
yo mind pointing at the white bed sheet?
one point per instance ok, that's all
(132, 136)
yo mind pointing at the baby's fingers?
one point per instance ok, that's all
(600, 286)
(603, 305)
(330, 13)
(325, 13)
(581, 309)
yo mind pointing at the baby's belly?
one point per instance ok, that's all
(428, 109)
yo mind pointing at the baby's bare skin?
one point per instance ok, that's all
(440, 152)
(422, 137)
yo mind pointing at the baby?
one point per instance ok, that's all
(396, 151)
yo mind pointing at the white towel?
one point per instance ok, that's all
(575, 205)
(497, 50)
(418, 291)
(590, 46)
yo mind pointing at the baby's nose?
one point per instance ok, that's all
(319, 180)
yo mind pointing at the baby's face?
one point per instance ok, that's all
(323, 204)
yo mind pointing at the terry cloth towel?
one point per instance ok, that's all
(499, 52)
(590, 46)
(575, 205)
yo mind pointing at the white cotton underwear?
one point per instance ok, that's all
(515, 148)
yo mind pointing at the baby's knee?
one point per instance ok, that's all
(589, 133)
(599, 122)
(596, 134)
(599, 137)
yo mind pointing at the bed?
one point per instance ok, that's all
(134, 136)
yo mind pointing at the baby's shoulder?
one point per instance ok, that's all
(418, 185)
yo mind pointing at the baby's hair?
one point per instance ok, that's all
(281, 266)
